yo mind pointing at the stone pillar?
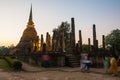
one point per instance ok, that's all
(94, 35)
(37, 44)
(103, 42)
(48, 42)
(80, 40)
(96, 46)
(95, 42)
(89, 44)
(62, 38)
(42, 41)
(44, 48)
(73, 35)
(53, 41)
(71, 43)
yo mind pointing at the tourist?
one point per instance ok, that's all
(82, 65)
(85, 64)
(45, 59)
(114, 65)
(106, 63)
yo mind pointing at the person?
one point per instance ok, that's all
(45, 59)
(82, 65)
(106, 63)
(88, 64)
(85, 66)
(114, 65)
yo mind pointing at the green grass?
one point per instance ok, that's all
(4, 65)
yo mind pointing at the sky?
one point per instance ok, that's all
(48, 14)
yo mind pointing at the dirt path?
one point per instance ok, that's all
(54, 75)
(35, 73)
(27, 67)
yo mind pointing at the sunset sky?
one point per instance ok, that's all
(48, 14)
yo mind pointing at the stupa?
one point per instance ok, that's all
(29, 42)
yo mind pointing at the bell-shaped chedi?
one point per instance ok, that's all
(29, 42)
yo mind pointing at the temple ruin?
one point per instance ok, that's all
(31, 48)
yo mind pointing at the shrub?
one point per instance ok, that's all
(14, 63)
(17, 65)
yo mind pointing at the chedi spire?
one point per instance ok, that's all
(30, 22)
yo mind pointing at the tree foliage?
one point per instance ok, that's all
(112, 40)
(6, 50)
(85, 48)
(66, 27)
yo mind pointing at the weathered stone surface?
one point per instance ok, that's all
(28, 37)
(73, 35)
(80, 41)
(29, 41)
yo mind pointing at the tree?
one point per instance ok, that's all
(6, 50)
(85, 48)
(57, 31)
(112, 40)
(66, 29)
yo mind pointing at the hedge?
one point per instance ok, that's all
(14, 63)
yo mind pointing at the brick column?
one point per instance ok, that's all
(80, 40)
(73, 35)
(89, 44)
(103, 41)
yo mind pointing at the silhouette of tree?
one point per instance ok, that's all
(6, 50)
(112, 40)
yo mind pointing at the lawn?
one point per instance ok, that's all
(4, 65)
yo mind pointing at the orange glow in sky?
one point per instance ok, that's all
(48, 14)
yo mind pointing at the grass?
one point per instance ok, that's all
(4, 65)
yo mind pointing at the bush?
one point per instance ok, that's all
(15, 64)
(9, 60)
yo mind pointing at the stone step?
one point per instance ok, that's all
(72, 58)
(73, 61)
